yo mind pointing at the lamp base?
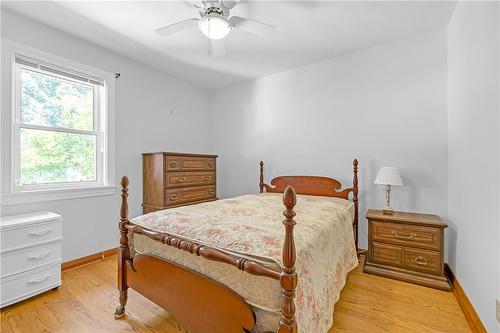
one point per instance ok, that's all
(388, 211)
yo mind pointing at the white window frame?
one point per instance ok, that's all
(98, 132)
(103, 128)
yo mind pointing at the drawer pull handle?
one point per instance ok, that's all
(180, 180)
(39, 279)
(410, 236)
(39, 256)
(207, 178)
(39, 233)
(420, 261)
(173, 197)
(172, 164)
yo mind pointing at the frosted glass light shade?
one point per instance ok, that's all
(389, 176)
(214, 27)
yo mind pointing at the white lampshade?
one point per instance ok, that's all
(389, 176)
(214, 26)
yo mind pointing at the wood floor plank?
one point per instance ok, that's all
(86, 301)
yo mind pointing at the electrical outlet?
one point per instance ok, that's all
(498, 311)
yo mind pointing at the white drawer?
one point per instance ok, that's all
(21, 286)
(14, 238)
(17, 261)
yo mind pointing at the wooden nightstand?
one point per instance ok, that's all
(407, 247)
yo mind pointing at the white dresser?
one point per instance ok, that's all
(30, 255)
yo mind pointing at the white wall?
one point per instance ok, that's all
(144, 98)
(473, 154)
(385, 105)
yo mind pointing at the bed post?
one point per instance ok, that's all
(288, 277)
(355, 200)
(261, 183)
(124, 251)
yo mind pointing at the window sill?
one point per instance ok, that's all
(18, 198)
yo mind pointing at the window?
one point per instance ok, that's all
(59, 131)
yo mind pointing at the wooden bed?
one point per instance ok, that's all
(205, 305)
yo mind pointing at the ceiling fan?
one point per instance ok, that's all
(215, 23)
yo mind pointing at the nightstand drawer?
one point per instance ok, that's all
(426, 261)
(32, 234)
(17, 287)
(387, 254)
(26, 259)
(404, 234)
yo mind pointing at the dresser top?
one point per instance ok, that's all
(410, 218)
(7, 222)
(180, 154)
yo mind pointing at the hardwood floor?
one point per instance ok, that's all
(87, 299)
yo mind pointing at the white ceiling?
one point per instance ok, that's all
(307, 32)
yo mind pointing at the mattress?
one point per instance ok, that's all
(250, 226)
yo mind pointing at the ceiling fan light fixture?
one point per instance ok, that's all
(214, 26)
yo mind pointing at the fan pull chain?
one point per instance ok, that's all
(210, 47)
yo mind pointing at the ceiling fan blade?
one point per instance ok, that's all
(176, 27)
(217, 47)
(252, 26)
(229, 4)
(196, 3)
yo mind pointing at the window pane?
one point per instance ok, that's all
(50, 101)
(50, 157)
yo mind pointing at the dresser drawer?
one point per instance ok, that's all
(183, 179)
(189, 163)
(387, 254)
(426, 261)
(404, 234)
(189, 194)
(17, 261)
(21, 286)
(14, 238)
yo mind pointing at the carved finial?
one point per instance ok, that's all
(124, 182)
(124, 195)
(289, 198)
(261, 182)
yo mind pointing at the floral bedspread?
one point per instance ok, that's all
(251, 225)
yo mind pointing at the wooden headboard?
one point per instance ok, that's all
(315, 185)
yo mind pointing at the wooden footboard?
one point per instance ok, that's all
(200, 303)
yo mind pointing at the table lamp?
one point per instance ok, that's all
(388, 176)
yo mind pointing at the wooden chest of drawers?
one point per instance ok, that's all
(30, 255)
(407, 247)
(177, 179)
